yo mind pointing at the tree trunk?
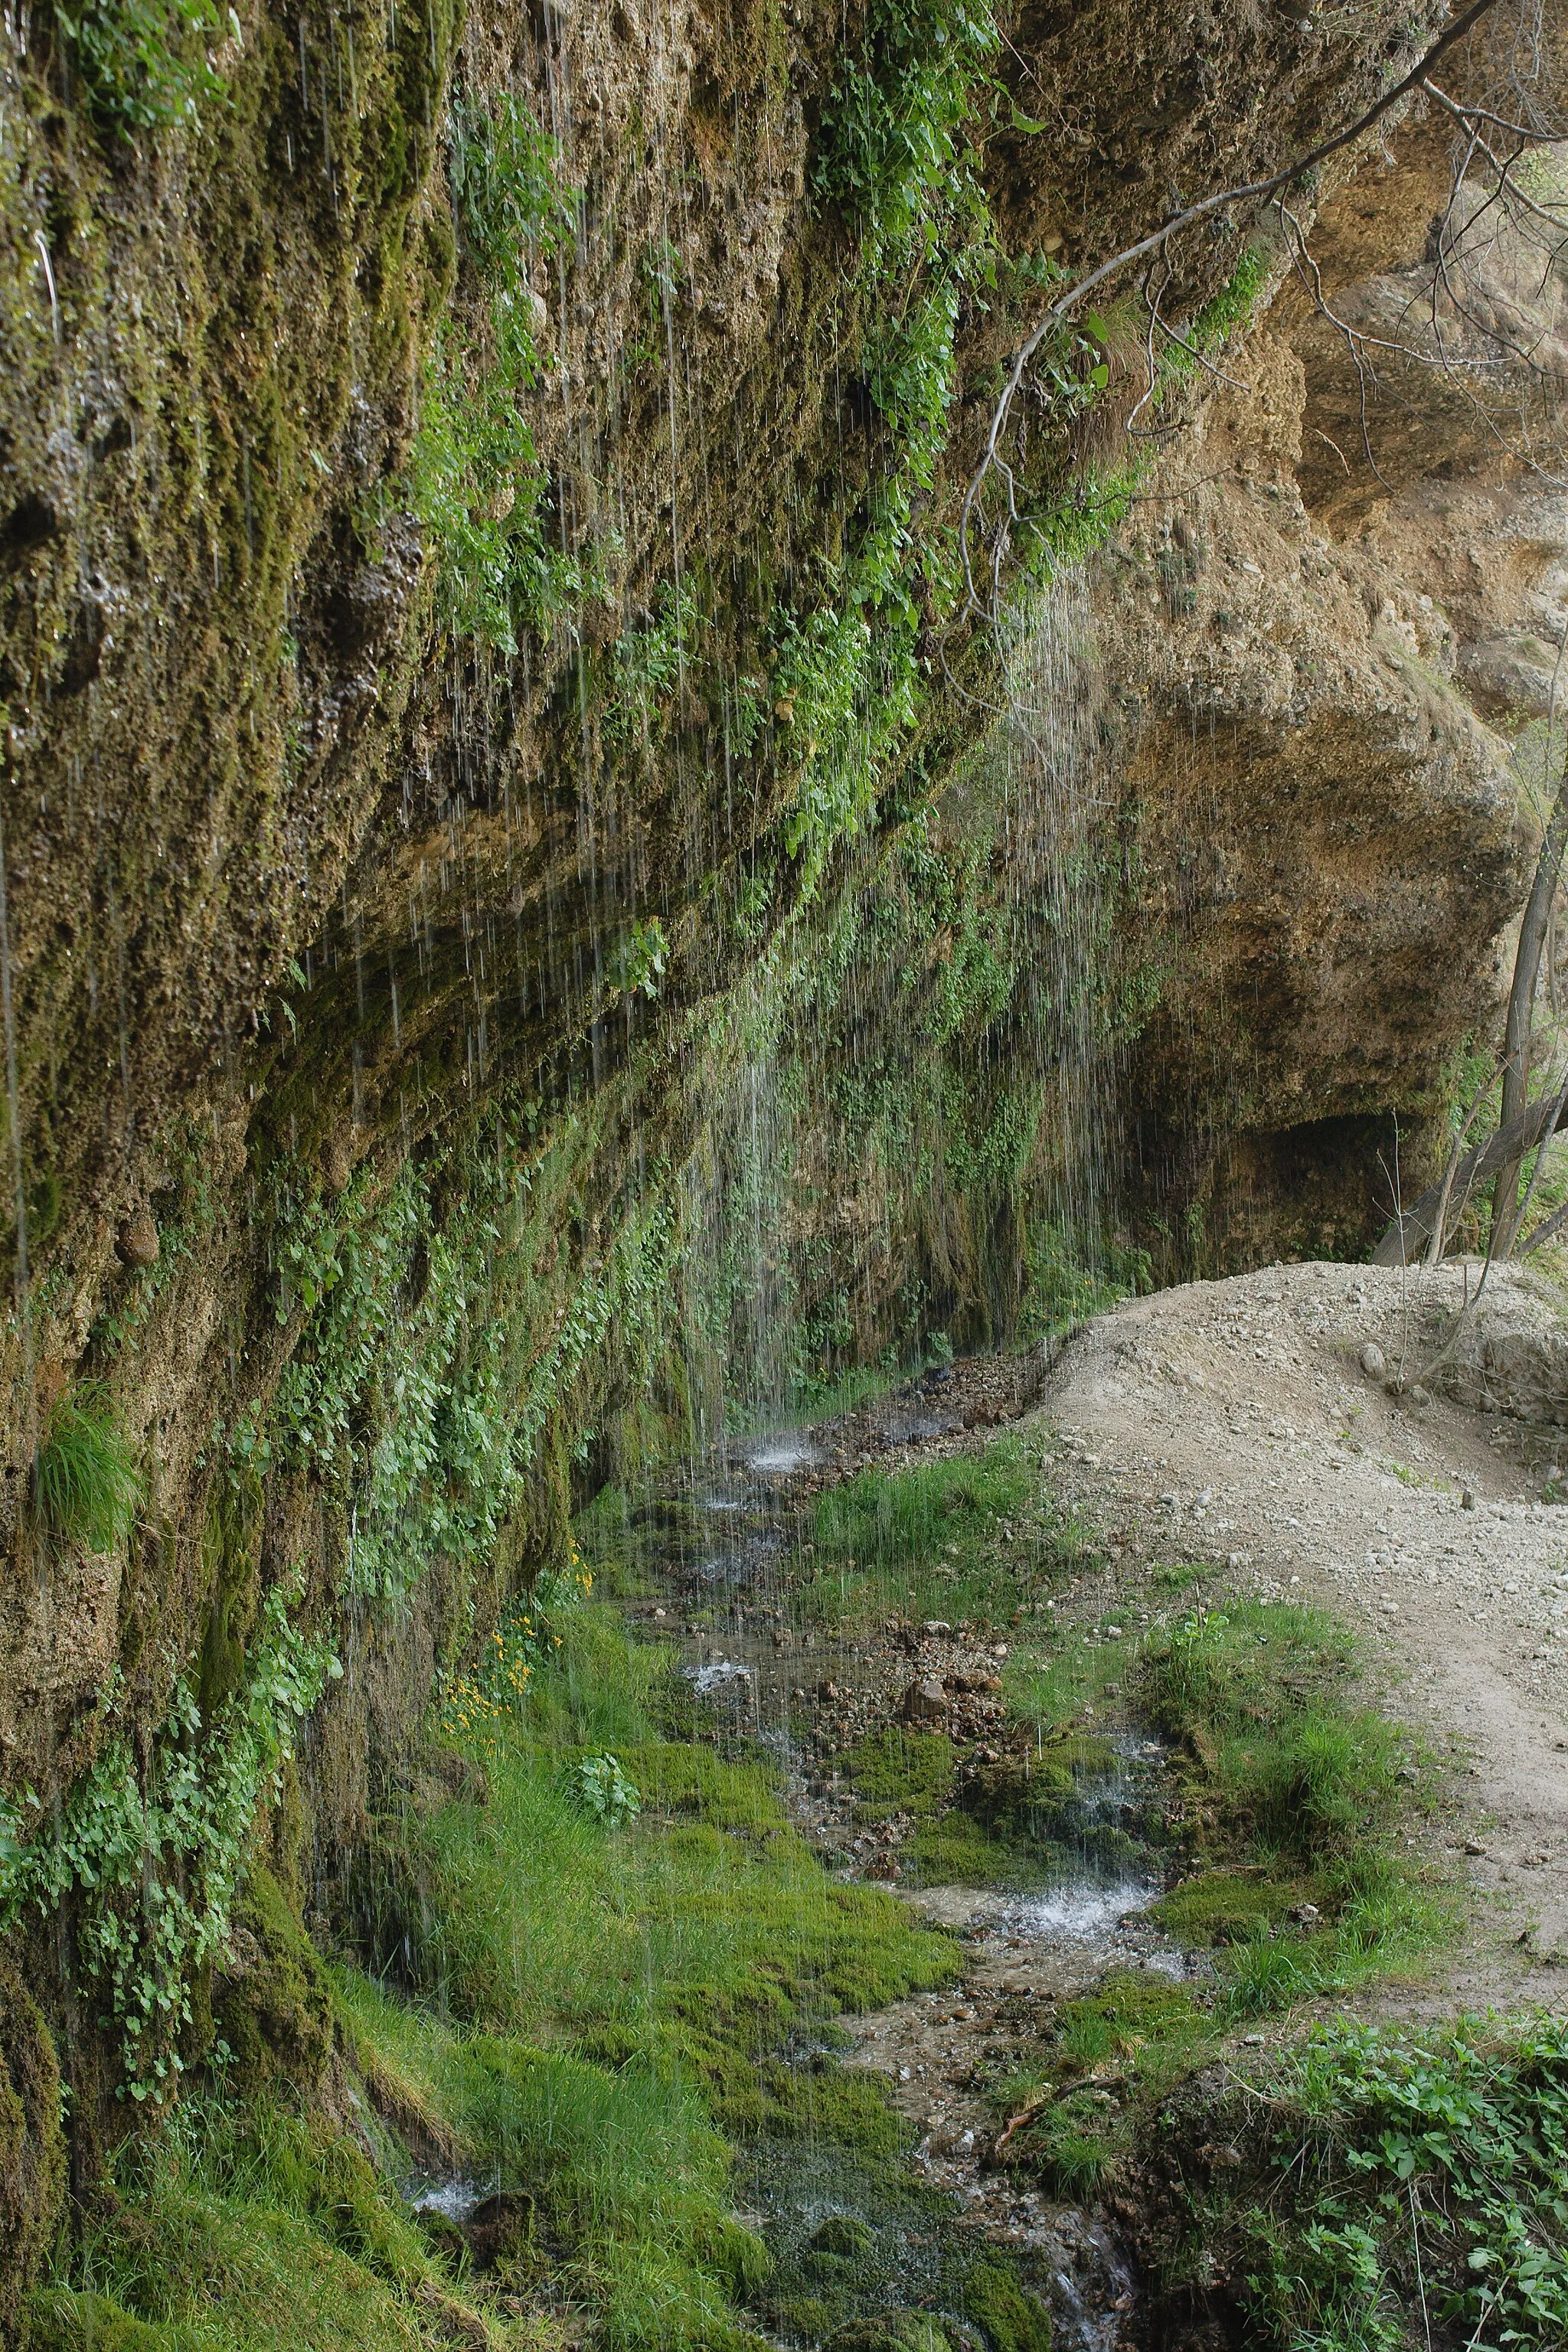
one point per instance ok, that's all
(1532, 933)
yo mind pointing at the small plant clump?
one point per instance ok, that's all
(474, 478)
(146, 65)
(85, 1480)
(1294, 1796)
(154, 1852)
(1393, 2186)
(496, 1685)
(602, 1787)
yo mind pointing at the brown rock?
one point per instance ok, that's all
(139, 1237)
(924, 1703)
(338, 1167)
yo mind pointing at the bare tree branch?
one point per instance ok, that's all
(1061, 309)
(1410, 1230)
(1520, 1022)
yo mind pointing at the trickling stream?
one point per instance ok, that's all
(721, 1562)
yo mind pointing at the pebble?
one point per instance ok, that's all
(926, 1701)
(1371, 1361)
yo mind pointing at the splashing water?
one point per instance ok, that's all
(1080, 1913)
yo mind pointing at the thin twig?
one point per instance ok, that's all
(1245, 193)
(1415, 2241)
(1435, 1248)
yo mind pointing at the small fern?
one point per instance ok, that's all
(85, 1479)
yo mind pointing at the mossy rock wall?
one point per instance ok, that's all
(32, 2145)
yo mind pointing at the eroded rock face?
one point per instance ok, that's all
(1328, 835)
(1341, 614)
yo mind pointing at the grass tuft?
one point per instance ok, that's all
(85, 1478)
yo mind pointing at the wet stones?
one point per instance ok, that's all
(924, 1702)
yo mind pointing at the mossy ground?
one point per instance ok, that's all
(1290, 1811)
(630, 2031)
(616, 2027)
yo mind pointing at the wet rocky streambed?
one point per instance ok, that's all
(871, 2252)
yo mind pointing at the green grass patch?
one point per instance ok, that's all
(85, 1480)
(1112, 2055)
(1291, 1800)
(970, 1536)
(1087, 1678)
(238, 2232)
(602, 2013)
(1295, 1799)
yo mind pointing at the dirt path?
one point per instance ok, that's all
(1233, 1422)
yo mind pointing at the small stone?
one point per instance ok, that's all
(1371, 1361)
(936, 1629)
(139, 1237)
(1473, 1845)
(1420, 1396)
(1252, 2041)
(924, 1703)
(1466, 1501)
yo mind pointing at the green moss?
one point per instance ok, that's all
(231, 1557)
(59, 2321)
(32, 2146)
(898, 1771)
(892, 2331)
(272, 2004)
(1223, 1906)
(842, 2234)
(1014, 2319)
